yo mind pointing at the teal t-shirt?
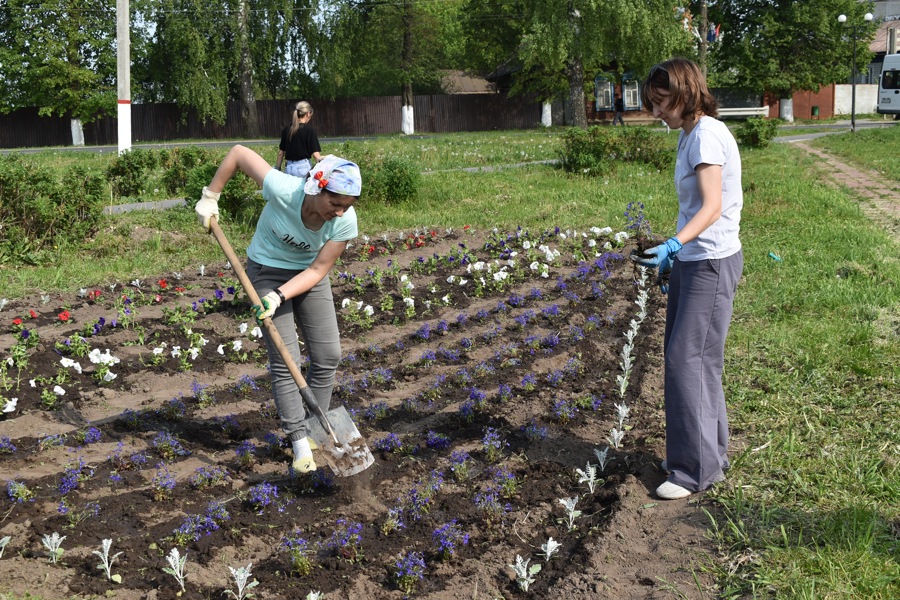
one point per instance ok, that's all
(281, 240)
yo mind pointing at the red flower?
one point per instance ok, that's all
(467, 227)
(17, 321)
(33, 314)
(180, 289)
(163, 284)
(93, 294)
(64, 316)
(158, 298)
(370, 249)
(220, 274)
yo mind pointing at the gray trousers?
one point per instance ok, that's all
(314, 313)
(698, 313)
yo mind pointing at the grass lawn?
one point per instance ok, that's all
(812, 502)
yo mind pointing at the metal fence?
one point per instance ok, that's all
(333, 118)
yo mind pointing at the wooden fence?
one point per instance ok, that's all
(333, 118)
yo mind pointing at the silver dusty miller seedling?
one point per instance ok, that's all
(571, 512)
(588, 476)
(52, 543)
(241, 576)
(176, 566)
(602, 457)
(524, 573)
(615, 438)
(3, 542)
(550, 548)
(107, 561)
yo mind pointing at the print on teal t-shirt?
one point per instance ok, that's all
(281, 240)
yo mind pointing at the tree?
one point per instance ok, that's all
(782, 47)
(58, 56)
(586, 36)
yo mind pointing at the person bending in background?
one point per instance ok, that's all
(705, 260)
(299, 143)
(303, 229)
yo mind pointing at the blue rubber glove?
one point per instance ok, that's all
(662, 277)
(655, 256)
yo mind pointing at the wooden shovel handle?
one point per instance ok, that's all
(305, 392)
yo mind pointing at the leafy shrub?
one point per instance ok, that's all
(392, 180)
(757, 132)
(39, 211)
(127, 174)
(596, 150)
(178, 162)
(240, 200)
(387, 179)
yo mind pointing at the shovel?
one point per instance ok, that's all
(334, 432)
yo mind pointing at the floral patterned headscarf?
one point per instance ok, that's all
(336, 175)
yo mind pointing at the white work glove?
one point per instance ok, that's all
(270, 303)
(207, 206)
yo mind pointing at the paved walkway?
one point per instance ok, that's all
(879, 197)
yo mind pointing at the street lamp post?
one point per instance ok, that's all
(854, 29)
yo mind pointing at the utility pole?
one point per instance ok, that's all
(123, 74)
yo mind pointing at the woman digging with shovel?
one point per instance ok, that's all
(303, 229)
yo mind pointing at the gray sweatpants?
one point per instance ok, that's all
(701, 296)
(315, 315)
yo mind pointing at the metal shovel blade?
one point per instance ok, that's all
(350, 455)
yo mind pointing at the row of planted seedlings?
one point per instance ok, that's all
(458, 387)
(410, 565)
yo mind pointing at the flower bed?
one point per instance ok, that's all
(496, 376)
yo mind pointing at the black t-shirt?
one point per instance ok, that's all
(620, 106)
(304, 143)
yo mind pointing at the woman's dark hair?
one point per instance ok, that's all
(682, 80)
(301, 109)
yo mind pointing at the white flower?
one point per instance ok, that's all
(369, 311)
(409, 285)
(500, 275)
(176, 351)
(10, 361)
(403, 278)
(427, 304)
(243, 328)
(59, 391)
(194, 352)
(10, 405)
(359, 305)
(221, 349)
(32, 383)
(526, 245)
(202, 270)
(451, 279)
(545, 273)
(446, 299)
(257, 332)
(620, 237)
(236, 345)
(203, 341)
(479, 266)
(607, 246)
(592, 243)
(463, 282)
(109, 376)
(70, 364)
(188, 331)
(534, 266)
(409, 302)
(345, 303)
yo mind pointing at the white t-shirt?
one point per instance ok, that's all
(281, 240)
(709, 142)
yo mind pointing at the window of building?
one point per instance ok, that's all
(632, 95)
(603, 92)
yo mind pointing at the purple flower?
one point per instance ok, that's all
(448, 538)
(436, 441)
(262, 495)
(409, 569)
(6, 446)
(390, 443)
(346, 540)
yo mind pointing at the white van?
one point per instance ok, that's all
(889, 86)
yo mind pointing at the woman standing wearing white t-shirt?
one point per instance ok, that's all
(705, 260)
(303, 229)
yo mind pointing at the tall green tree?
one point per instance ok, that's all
(561, 45)
(58, 55)
(781, 46)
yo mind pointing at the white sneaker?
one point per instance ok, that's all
(672, 491)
